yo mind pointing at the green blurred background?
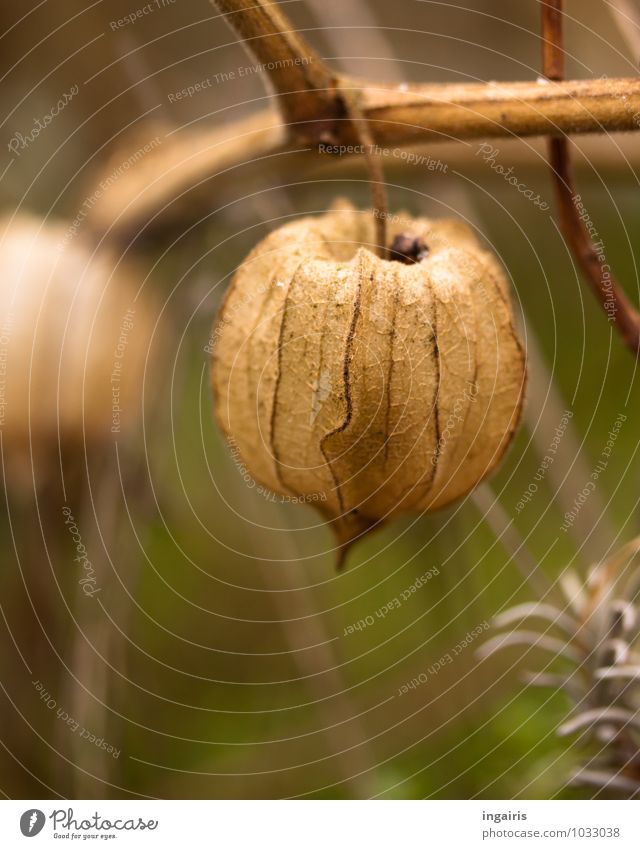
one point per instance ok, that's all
(219, 662)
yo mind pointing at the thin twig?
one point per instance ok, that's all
(311, 97)
(615, 303)
(374, 167)
(552, 50)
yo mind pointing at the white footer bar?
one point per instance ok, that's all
(320, 824)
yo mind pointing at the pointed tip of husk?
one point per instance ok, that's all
(348, 531)
(341, 556)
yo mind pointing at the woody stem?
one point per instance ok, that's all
(612, 297)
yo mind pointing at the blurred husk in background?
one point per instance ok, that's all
(78, 333)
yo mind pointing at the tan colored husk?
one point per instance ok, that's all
(72, 350)
(372, 387)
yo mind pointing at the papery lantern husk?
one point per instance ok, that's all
(75, 335)
(371, 387)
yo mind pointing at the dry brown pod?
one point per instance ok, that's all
(75, 335)
(370, 387)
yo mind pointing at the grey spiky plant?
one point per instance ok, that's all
(593, 636)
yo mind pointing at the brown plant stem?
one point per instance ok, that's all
(612, 298)
(183, 161)
(433, 113)
(375, 170)
(313, 93)
(312, 109)
(303, 84)
(311, 98)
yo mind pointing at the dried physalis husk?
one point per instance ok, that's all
(75, 338)
(371, 387)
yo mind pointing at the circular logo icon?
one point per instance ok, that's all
(32, 822)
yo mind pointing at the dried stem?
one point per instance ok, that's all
(608, 291)
(159, 187)
(304, 85)
(312, 109)
(311, 98)
(379, 201)
(552, 50)
(422, 113)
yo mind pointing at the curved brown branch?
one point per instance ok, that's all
(304, 85)
(613, 300)
(157, 190)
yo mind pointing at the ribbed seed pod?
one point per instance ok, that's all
(373, 387)
(75, 337)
